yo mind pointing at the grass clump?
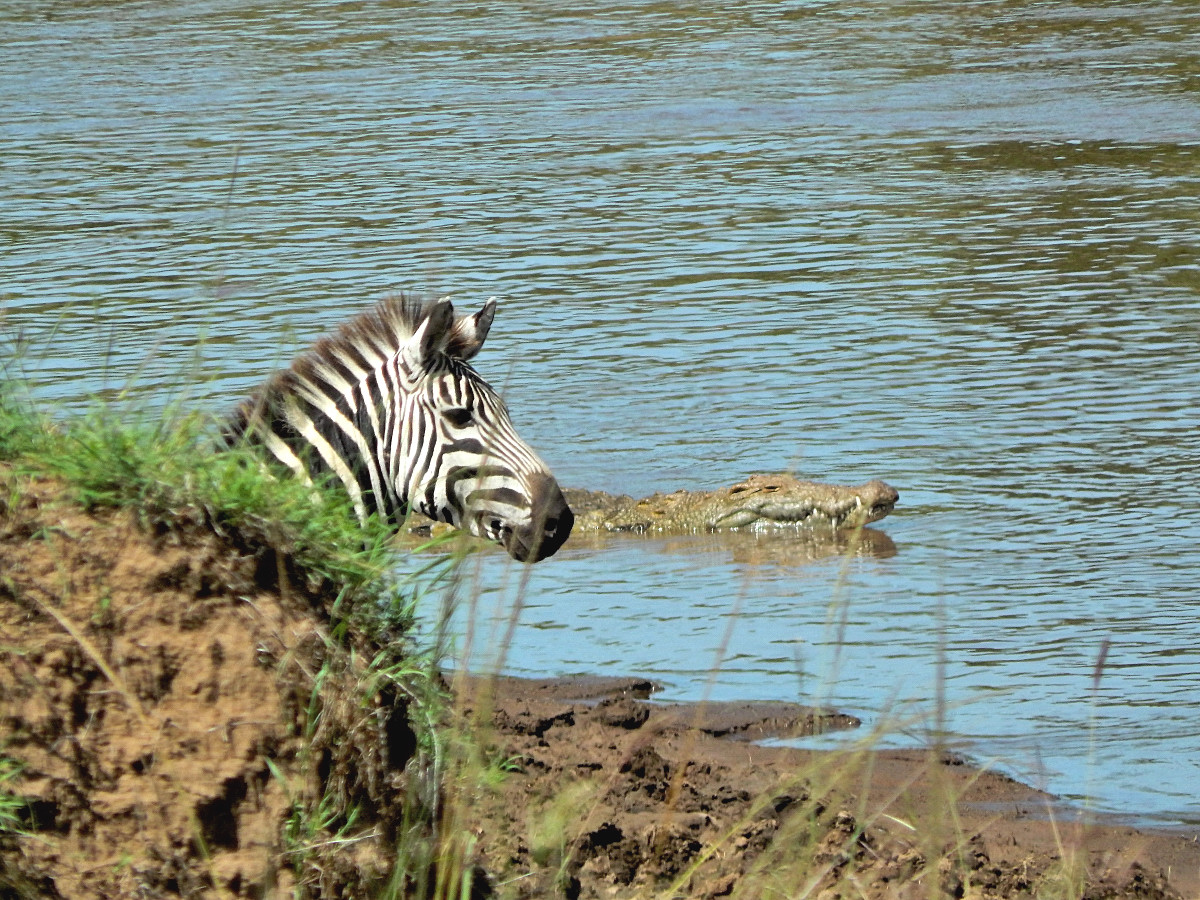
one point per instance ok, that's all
(21, 428)
(172, 474)
(12, 805)
(171, 471)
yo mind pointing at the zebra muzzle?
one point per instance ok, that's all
(549, 525)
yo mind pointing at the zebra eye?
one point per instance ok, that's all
(458, 417)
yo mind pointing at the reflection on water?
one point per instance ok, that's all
(782, 548)
(947, 245)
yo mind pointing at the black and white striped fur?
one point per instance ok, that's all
(391, 406)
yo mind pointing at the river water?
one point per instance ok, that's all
(952, 246)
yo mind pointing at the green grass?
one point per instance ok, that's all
(21, 428)
(12, 806)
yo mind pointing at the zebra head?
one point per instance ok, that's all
(464, 461)
(391, 406)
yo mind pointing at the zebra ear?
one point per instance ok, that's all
(433, 333)
(471, 331)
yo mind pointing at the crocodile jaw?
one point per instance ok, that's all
(763, 516)
(861, 509)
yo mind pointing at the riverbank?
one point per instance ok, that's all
(183, 716)
(616, 796)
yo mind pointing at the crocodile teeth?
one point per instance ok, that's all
(738, 518)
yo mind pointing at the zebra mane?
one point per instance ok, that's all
(379, 332)
(361, 345)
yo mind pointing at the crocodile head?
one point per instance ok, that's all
(766, 501)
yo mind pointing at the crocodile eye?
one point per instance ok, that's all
(458, 417)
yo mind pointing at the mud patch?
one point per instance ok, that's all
(617, 796)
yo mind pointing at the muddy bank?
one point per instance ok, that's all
(188, 725)
(177, 714)
(679, 797)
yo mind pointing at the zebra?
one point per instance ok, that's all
(390, 405)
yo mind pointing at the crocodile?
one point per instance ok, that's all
(760, 503)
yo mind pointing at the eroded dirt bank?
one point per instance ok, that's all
(176, 714)
(157, 689)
